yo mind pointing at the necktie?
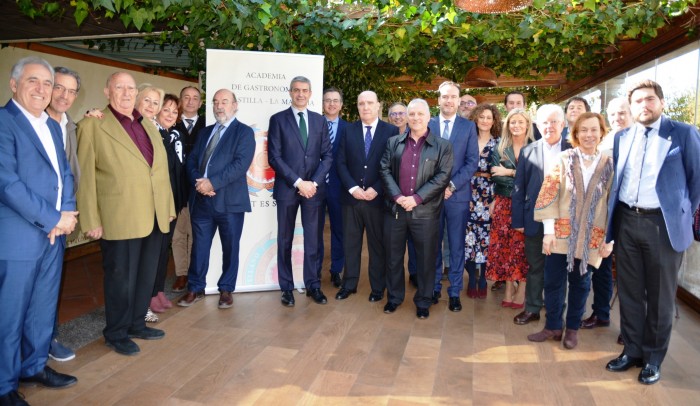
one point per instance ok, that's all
(190, 124)
(210, 149)
(368, 139)
(446, 131)
(331, 133)
(302, 129)
(639, 160)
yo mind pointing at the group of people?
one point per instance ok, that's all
(539, 208)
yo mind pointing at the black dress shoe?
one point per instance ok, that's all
(147, 333)
(390, 307)
(124, 346)
(436, 296)
(593, 322)
(649, 375)
(376, 297)
(317, 295)
(344, 293)
(413, 280)
(623, 363)
(423, 313)
(525, 317)
(455, 304)
(620, 340)
(287, 298)
(49, 378)
(336, 280)
(13, 398)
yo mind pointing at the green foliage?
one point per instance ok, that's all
(681, 106)
(366, 42)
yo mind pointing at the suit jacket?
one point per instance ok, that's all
(227, 167)
(354, 169)
(465, 149)
(334, 183)
(190, 138)
(433, 174)
(678, 184)
(529, 176)
(118, 190)
(29, 186)
(289, 158)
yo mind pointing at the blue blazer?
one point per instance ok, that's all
(465, 148)
(354, 169)
(334, 184)
(291, 161)
(29, 186)
(529, 176)
(227, 167)
(678, 184)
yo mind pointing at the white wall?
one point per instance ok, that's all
(93, 78)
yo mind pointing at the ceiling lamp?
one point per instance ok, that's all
(480, 76)
(492, 6)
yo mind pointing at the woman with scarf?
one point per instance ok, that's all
(572, 206)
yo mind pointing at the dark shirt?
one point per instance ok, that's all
(136, 132)
(410, 164)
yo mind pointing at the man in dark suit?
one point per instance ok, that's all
(655, 192)
(533, 164)
(415, 171)
(36, 202)
(126, 202)
(332, 104)
(461, 133)
(299, 150)
(573, 108)
(362, 195)
(189, 125)
(216, 169)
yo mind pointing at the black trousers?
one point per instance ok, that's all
(357, 219)
(129, 274)
(163, 258)
(647, 275)
(424, 233)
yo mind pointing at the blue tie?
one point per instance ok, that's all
(331, 133)
(368, 139)
(446, 131)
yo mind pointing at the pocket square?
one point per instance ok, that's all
(674, 151)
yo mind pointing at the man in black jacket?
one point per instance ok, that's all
(415, 171)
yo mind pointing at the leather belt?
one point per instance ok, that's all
(640, 210)
(482, 174)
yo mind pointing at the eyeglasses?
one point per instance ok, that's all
(397, 114)
(331, 101)
(62, 89)
(467, 103)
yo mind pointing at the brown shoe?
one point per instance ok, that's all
(225, 300)
(180, 284)
(545, 335)
(570, 339)
(190, 298)
(525, 317)
(593, 322)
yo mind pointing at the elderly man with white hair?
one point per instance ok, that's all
(415, 171)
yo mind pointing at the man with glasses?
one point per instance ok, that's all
(65, 91)
(398, 117)
(332, 104)
(466, 105)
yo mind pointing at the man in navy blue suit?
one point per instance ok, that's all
(300, 152)
(216, 168)
(465, 148)
(362, 196)
(37, 210)
(655, 192)
(332, 104)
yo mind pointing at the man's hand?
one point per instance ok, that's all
(370, 193)
(204, 186)
(448, 193)
(359, 194)
(307, 189)
(95, 234)
(407, 202)
(67, 222)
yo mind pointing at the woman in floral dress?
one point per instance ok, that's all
(476, 246)
(507, 260)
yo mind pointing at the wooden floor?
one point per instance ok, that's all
(350, 352)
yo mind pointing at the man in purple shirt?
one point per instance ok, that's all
(415, 171)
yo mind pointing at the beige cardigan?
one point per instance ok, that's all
(580, 218)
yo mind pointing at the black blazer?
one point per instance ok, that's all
(190, 139)
(354, 169)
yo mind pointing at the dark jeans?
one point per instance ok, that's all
(602, 289)
(555, 279)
